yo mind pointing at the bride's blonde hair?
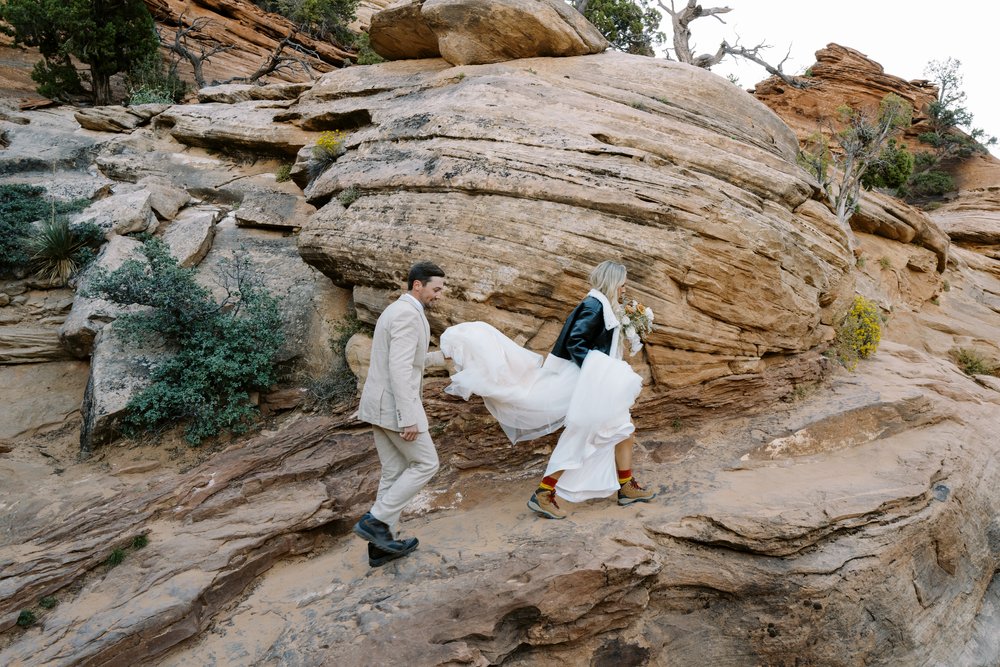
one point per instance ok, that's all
(607, 277)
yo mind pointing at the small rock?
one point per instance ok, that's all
(136, 468)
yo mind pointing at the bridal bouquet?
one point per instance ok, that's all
(636, 322)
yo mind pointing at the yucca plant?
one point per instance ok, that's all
(58, 251)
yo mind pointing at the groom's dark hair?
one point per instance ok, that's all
(423, 271)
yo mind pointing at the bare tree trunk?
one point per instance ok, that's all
(197, 60)
(581, 5)
(682, 32)
(101, 84)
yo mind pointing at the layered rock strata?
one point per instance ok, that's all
(519, 177)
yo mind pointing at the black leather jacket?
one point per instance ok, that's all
(584, 331)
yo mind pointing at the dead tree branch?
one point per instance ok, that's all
(197, 58)
(753, 55)
(280, 61)
(682, 20)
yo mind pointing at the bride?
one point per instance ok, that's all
(583, 384)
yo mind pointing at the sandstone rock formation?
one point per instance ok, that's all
(663, 167)
(842, 75)
(806, 514)
(90, 314)
(252, 35)
(845, 76)
(190, 235)
(850, 544)
(117, 118)
(472, 32)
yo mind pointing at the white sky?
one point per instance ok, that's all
(902, 36)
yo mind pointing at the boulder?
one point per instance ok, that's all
(685, 178)
(164, 198)
(89, 315)
(311, 306)
(972, 220)
(189, 236)
(358, 353)
(118, 372)
(110, 119)
(399, 32)
(119, 214)
(65, 186)
(231, 93)
(246, 126)
(890, 218)
(273, 210)
(469, 32)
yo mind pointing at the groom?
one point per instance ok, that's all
(391, 403)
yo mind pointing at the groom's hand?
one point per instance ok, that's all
(410, 433)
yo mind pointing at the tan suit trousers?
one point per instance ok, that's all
(406, 468)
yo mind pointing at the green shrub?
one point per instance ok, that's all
(892, 168)
(116, 557)
(885, 263)
(348, 196)
(858, 333)
(21, 205)
(223, 351)
(26, 618)
(48, 602)
(930, 184)
(631, 26)
(973, 363)
(59, 251)
(149, 83)
(321, 19)
(283, 173)
(366, 54)
(140, 542)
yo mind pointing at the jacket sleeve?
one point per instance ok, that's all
(586, 328)
(403, 340)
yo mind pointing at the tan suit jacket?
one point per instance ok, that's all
(391, 397)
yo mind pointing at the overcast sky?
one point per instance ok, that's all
(901, 36)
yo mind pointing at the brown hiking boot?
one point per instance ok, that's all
(544, 502)
(633, 492)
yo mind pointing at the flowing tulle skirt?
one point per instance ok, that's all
(530, 397)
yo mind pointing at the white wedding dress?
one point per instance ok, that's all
(531, 397)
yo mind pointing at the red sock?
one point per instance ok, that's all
(548, 483)
(624, 476)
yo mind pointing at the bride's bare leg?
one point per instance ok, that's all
(631, 491)
(623, 453)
